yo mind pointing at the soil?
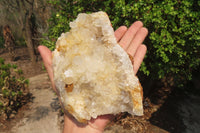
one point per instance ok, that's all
(34, 114)
(22, 60)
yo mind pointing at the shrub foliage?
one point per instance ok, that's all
(13, 89)
(174, 30)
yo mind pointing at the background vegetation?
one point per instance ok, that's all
(174, 31)
(14, 89)
(27, 19)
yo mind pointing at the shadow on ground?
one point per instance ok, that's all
(180, 112)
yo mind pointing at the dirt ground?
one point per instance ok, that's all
(123, 123)
(22, 60)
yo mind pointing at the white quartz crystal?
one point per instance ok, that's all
(92, 72)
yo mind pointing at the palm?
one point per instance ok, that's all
(131, 40)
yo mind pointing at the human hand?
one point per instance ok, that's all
(131, 40)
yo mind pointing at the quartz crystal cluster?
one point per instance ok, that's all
(92, 72)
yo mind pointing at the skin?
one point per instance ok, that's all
(131, 40)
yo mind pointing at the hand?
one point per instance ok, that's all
(131, 40)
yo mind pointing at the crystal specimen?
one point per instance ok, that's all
(92, 72)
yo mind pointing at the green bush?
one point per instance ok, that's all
(174, 30)
(13, 89)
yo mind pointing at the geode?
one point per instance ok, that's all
(92, 72)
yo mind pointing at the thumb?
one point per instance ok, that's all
(46, 55)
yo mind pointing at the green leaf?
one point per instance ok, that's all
(1, 104)
(1, 61)
(13, 93)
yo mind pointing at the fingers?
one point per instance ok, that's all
(130, 34)
(120, 32)
(139, 56)
(137, 41)
(131, 40)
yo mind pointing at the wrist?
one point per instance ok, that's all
(72, 126)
